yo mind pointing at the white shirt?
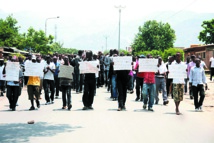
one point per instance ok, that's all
(162, 69)
(178, 80)
(212, 62)
(49, 75)
(197, 76)
(97, 74)
(1, 74)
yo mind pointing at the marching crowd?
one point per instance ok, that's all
(147, 85)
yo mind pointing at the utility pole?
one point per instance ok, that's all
(119, 7)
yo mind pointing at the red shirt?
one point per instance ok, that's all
(149, 77)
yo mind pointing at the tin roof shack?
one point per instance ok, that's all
(205, 51)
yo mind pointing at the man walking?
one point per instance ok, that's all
(49, 70)
(197, 78)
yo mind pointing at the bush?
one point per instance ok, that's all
(172, 52)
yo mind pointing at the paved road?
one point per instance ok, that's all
(104, 124)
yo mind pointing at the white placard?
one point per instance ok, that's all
(12, 71)
(122, 63)
(177, 71)
(212, 63)
(66, 72)
(34, 69)
(148, 65)
(88, 67)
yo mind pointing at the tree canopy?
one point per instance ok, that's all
(33, 40)
(154, 35)
(207, 34)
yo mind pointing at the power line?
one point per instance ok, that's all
(181, 10)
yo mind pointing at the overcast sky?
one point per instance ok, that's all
(79, 18)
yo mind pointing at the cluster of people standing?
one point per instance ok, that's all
(147, 85)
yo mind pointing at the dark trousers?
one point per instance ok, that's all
(81, 82)
(66, 93)
(12, 95)
(106, 77)
(77, 80)
(139, 86)
(88, 95)
(211, 73)
(168, 83)
(2, 85)
(200, 89)
(56, 81)
(46, 84)
(186, 83)
(122, 89)
(101, 78)
(73, 82)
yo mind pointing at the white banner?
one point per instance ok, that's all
(148, 65)
(122, 63)
(12, 71)
(177, 71)
(88, 67)
(34, 69)
(66, 72)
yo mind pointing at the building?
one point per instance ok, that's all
(205, 51)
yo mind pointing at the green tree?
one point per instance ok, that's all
(58, 47)
(154, 35)
(9, 32)
(36, 41)
(207, 34)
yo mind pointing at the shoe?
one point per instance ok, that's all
(52, 102)
(85, 108)
(114, 99)
(32, 108)
(56, 97)
(91, 108)
(119, 109)
(150, 109)
(137, 99)
(131, 91)
(2, 94)
(64, 107)
(77, 92)
(144, 106)
(156, 102)
(165, 102)
(196, 109)
(13, 109)
(191, 97)
(141, 99)
(80, 91)
(200, 108)
(124, 108)
(37, 104)
(47, 103)
(69, 107)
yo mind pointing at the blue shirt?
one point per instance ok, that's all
(57, 65)
(197, 76)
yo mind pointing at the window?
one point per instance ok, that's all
(203, 55)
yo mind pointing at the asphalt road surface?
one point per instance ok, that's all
(104, 124)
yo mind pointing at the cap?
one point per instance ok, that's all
(54, 57)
